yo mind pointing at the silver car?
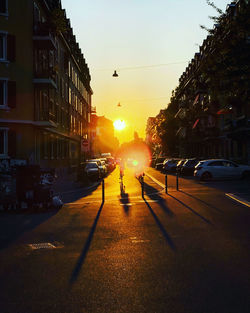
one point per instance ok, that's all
(92, 170)
(220, 168)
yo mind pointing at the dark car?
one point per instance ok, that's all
(159, 163)
(169, 166)
(92, 170)
(179, 165)
(110, 163)
(188, 167)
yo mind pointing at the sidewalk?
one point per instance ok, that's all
(69, 189)
(237, 190)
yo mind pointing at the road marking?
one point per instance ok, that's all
(126, 204)
(238, 199)
(149, 201)
(42, 245)
(155, 180)
(139, 241)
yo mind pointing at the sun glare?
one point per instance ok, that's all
(119, 124)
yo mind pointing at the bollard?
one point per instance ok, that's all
(166, 183)
(142, 186)
(103, 193)
(177, 181)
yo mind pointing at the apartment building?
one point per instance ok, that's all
(103, 138)
(45, 92)
(213, 94)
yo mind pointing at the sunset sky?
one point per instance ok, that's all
(128, 36)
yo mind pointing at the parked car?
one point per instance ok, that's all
(100, 165)
(179, 165)
(110, 163)
(189, 166)
(159, 163)
(92, 170)
(104, 167)
(220, 168)
(169, 166)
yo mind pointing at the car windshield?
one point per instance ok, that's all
(91, 165)
(191, 162)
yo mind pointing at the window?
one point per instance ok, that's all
(215, 163)
(37, 15)
(3, 141)
(3, 92)
(229, 164)
(3, 46)
(7, 47)
(3, 7)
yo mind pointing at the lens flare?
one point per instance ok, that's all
(135, 162)
(119, 124)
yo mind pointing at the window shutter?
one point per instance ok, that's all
(11, 94)
(12, 143)
(11, 48)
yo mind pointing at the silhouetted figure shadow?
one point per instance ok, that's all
(125, 201)
(153, 194)
(83, 255)
(211, 206)
(164, 232)
(192, 210)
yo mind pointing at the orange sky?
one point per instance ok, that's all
(128, 35)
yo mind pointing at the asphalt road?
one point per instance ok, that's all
(187, 251)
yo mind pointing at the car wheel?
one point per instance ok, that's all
(206, 176)
(246, 175)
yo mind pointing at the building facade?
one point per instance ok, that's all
(103, 139)
(45, 93)
(213, 96)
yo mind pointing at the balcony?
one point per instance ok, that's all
(43, 36)
(45, 77)
(45, 118)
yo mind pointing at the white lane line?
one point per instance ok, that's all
(155, 180)
(238, 199)
(127, 204)
(149, 201)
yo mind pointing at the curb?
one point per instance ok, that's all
(79, 189)
(238, 199)
(155, 180)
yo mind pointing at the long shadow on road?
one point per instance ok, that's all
(192, 210)
(163, 230)
(202, 201)
(125, 202)
(83, 255)
(153, 194)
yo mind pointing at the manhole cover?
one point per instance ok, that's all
(43, 245)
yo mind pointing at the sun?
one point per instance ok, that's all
(119, 124)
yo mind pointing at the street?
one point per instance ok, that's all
(185, 251)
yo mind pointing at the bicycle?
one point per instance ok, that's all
(122, 187)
